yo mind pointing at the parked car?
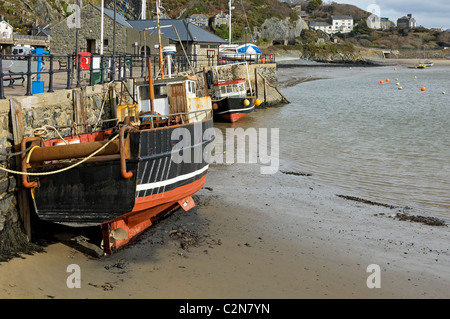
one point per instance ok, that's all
(20, 51)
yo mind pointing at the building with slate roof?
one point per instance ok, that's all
(127, 39)
(196, 41)
(132, 36)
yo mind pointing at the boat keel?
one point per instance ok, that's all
(122, 230)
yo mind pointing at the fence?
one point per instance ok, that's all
(36, 73)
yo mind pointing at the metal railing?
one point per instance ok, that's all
(85, 69)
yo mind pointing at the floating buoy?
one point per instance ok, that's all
(415, 77)
(395, 69)
(381, 81)
(443, 92)
(387, 80)
(422, 88)
(257, 102)
(400, 87)
(396, 79)
(397, 83)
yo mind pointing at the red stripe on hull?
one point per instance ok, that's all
(233, 117)
(147, 208)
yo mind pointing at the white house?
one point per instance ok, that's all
(6, 30)
(343, 24)
(322, 26)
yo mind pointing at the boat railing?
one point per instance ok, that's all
(158, 120)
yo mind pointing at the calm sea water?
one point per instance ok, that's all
(369, 139)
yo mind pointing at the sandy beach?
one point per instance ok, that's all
(254, 236)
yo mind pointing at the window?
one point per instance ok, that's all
(160, 91)
(191, 87)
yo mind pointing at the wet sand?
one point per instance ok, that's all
(253, 236)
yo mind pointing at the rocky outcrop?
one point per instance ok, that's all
(30, 12)
(276, 28)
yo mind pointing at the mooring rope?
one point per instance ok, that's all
(63, 169)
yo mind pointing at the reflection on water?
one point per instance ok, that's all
(372, 140)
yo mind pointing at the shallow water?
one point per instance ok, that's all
(369, 139)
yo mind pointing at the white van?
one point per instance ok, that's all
(20, 51)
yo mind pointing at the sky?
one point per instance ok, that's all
(428, 13)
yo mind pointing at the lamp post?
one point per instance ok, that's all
(229, 21)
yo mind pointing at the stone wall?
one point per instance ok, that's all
(63, 38)
(54, 109)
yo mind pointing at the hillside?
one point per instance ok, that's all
(263, 18)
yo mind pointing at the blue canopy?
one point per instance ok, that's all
(249, 49)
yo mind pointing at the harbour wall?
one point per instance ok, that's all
(25, 116)
(263, 79)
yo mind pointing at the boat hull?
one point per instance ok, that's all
(231, 109)
(167, 166)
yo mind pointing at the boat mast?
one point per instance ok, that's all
(229, 22)
(161, 62)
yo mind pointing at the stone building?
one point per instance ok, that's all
(196, 41)
(220, 18)
(199, 20)
(127, 39)
(406, 21)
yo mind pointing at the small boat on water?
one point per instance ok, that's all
(418, 66)
(428, 64)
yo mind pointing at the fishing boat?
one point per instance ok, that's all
(125, 177)
(428, 64)
(231, 99)
(129, 174)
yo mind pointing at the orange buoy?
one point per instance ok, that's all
(422, 88)
(381, 81)
(387, 80)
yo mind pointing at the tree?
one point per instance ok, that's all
(314, 5)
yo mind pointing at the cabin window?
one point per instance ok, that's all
(160, 91)
(191, 87)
